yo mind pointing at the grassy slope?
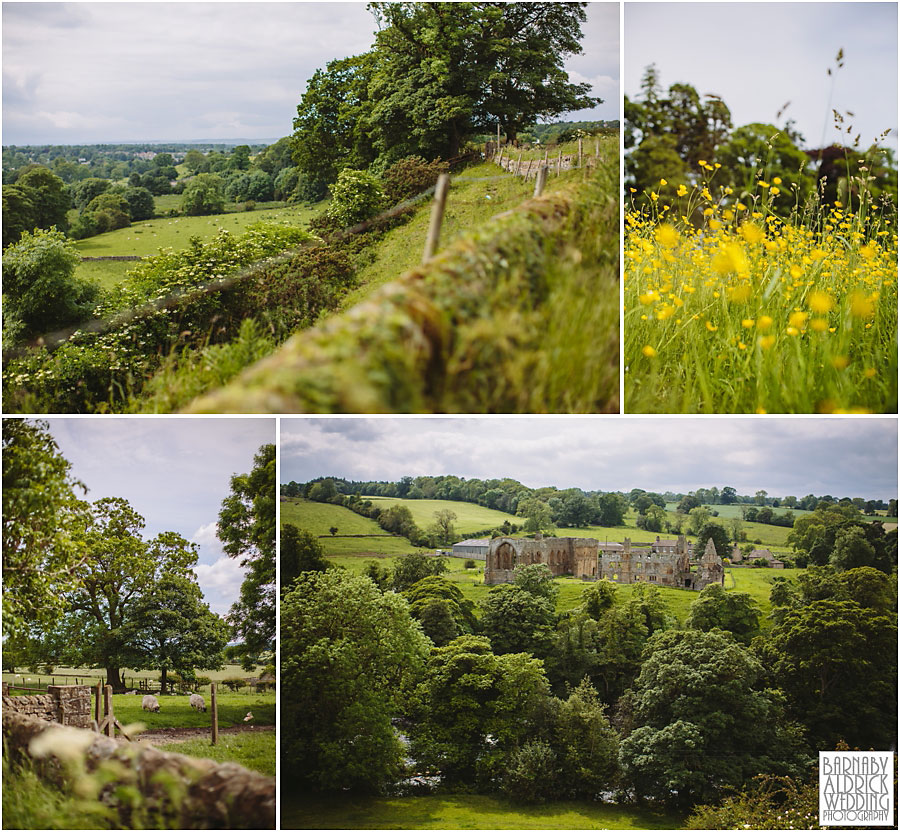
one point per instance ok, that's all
(734, 510)
(461, 812)
(254, 750)
(176, 712)
(469, 516)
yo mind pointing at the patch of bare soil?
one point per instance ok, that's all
(161, 736)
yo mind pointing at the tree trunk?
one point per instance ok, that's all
(114, 678)
(162, 681)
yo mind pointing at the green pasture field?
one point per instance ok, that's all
(254, 749)
(464, 811)
(734, 510)
(90, 676)
(318, 518)
(470, 517)
(149, 236)
(176, 711)
(472, 200)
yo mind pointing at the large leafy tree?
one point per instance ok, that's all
(42, 515)
(349, 655)
(172, 628)
(474, 708)
(517, 621)
(703, 720)
(247, 530)
(300, 552)
(735, 612)
(836, 661)
(120, 569)
(49, 196)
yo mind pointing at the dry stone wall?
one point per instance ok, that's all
(66, 704)
(193, 793)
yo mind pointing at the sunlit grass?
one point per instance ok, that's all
(746, 310)
(252, 749)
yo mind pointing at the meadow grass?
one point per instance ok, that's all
(469, 516)
(176, 712)
(466, 811)
(93, 675)
(253, 749)
(727, 512)
(753, 311)
(149, 236)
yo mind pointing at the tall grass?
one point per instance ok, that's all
(253, 749)
(753, 310)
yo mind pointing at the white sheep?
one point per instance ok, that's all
(150, 703)
(197, 702)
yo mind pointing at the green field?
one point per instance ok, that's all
(460, 812)
(254, 750)
(149, 236)
(176, 712)
(318, 518)
(734, 510)
(470, 517)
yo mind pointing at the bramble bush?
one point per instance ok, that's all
(410, 176)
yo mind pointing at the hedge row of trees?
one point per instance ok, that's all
(613, 698)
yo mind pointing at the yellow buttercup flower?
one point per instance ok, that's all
(649, 351)
(682, 190)
(666, 235)
(820, 302)
(766, 341)
(710, 327)
(730, 258)
(798, 319)
(764, 322)
(861, 306)
(751, 232)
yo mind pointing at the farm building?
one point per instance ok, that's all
(663, 562)
(756, 554)
(476, 548)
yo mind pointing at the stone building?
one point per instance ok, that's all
(663, 562)
(564, 555)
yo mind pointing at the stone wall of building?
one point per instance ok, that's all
(563, 555)
(185, 792)
(66, 704)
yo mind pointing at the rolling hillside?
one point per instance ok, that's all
(469, 516)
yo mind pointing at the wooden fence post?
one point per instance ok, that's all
(98, 714)
(540, 179)
(215, 709)
(498, 135)
(437, 216)
(559, 164)
(108, 707)
(519, 163)
(580, 151)
(596, 148)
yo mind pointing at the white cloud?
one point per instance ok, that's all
(220, 582)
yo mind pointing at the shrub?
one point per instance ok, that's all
(140, 203)
(234, 683)
(470, 564)
(356, 196)
(39, 284)
(411, 176)
(203, 195)
(533, 773)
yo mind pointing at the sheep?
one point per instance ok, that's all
(150, 703)
(198, 703)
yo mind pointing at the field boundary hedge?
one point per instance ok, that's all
(507, 319)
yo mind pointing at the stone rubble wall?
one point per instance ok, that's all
(214, 795)
(66, 704)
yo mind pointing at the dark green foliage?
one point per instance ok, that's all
(356, 196)
(719, 536)
(378, 574)
(40, 290)
(204, 194)
(613, 508)
(49, 196)
(598, 597)
(735, 612)
(247, 530)
(109, 212)
(86, 190)
(518, 622)
(348, 657)
(836, 661)
(412, 568)
(474, 708)
(140, 203)
(410, 176)
(537, 579)
(703, 721)
(300, 552)
(441, 608)
(533, 773)
(19, 215)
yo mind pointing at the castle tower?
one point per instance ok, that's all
(712, 569)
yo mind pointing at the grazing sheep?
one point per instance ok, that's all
(198, 703)
(150, 703)
(248, 717)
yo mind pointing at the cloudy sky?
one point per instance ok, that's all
(175, 472)
(798, 456)
(107, 72)
(758, 56)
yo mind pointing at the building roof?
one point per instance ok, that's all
(478, 541)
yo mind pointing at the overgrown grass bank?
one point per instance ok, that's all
(518, 316)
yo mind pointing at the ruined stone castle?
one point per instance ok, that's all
(663, 562)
